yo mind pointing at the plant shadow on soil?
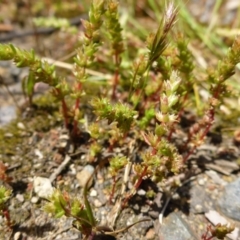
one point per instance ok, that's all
(34, 230)
(181, 203)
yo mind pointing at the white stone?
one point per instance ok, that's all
(93, 193)
(73, 169)
(38, 154)
(34, 199)
(17, 236)
(21, 126)
(199, 208)
(202, 181)
(141, 192)
(97, 203)
(20, 197)
(42, 187)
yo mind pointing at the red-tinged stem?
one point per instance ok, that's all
(7, 216)
(204, 236)
(211, 113)
(136, 186)
(64, 109)
(65, 112)
(211, 118)
(138, 183)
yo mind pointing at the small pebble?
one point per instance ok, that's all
(63, 144)
(153, 214)
(73, 169)
(17, 236)
(9, 135)
(145, 209)
(136, 207)
(34, 199)
(84, 175)
(141, 192)
(201, 181)
(97, 203)
(42, 187)
(20, 197)
(93, 193)
(21, 126)
(38, 154)
(199, 208)
(37, 166)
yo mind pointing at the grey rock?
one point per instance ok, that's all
(7, 113)
(174, 227)
(229, 203)
(227, 165)
(200, 201)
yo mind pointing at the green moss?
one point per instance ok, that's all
(40, 118)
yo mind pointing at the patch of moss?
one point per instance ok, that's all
(41, 117)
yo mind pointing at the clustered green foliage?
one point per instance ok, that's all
(5, 195)
(161, 84)
(61, 23)
(219, 231)
(120, 113)
(62, 204)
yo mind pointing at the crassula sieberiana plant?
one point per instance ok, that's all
(5, 195)
(138, 109)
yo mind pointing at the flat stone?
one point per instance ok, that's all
(200, 201)
(84, 175)
(174, 227)
(227, 165)
(42, 187)
(229, 201)
(7, 113)
(215, 177)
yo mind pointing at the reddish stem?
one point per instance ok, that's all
(136, 186)
(211, 118)
(138, 183)
(7, 216)
(204, 236)
(64, 109)
(211, 113)
(65, 113)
